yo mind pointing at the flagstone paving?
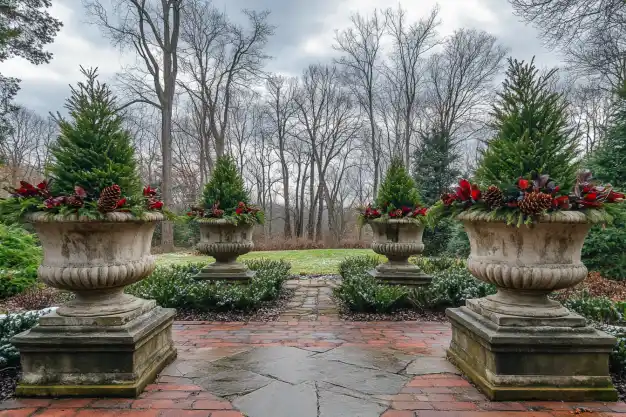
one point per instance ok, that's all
(309, 363)
(301, 368)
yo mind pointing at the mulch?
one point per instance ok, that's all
(8, 381)
(596, 286)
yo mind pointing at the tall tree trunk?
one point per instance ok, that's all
(167, 228)
(312, 206)
(320, 214)
(287, 230)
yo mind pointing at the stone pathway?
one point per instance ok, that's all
(312, 300)
(324, 368)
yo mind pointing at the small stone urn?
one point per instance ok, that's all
(103, 342)
(398, 239)
(225, 241)
(518, 344)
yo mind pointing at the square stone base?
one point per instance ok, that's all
(235, 273)
(531, 363)
(111, 356)
(410, 276)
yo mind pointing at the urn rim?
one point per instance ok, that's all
(114, 217)
(563, 217)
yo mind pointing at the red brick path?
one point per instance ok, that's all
(435, 395)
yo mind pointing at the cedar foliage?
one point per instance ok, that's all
(225, 186)
(532, 133)
(93, 150)
(397, 189)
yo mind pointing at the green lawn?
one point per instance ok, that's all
(313, 261)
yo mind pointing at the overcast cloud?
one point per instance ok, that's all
(304, 35)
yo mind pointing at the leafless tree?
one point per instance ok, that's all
(360, 45)
(460, 79)
(152, 29)
(406, 66)
(590, 112)
(591, 33)
(280, 110)
(220, 57)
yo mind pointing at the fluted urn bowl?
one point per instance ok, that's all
(225, 241)
(95, 259)
(398, 239)
(527, 263)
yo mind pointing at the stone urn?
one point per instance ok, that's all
(518, 344)
(103, 342)
(398, 239)
(225, 241)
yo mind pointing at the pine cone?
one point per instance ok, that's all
(535, 203)
(74, 201)
(109, 198)
(494, 197)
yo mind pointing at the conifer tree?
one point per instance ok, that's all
(398, 188)
(608, 162)
(93, 151)
(532, 133)
(434, 166)
(225, 186)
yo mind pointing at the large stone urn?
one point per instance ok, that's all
(518, 344)
(225, 241)
(398, 239)
(104, 342)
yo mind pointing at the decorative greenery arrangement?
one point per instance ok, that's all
(174, 286)
(20, 256)
(94, 168)
(397, 198)
(225, 197)
(528, 199)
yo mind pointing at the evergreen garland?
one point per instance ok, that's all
(532, 133)
(93, 150)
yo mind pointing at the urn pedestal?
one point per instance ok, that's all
(104, 342)
(225, 242)
(398, 239)
(518, 344)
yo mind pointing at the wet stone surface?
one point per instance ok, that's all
(273, 381)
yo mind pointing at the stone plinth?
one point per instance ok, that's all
(512, 363)
(225, 242)
(398, 239)
(111, 356)
(518, 344)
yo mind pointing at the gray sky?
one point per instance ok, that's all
(304, 35)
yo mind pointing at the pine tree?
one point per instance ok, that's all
(608, 162)
(532, 134)
(398, 188)
(225, 186)
(434, 166)
(93, 150)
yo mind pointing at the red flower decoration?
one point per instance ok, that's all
(121, 203)
(149, 191)
(523, 184)
(405, 210)
(157, 205)
(614, 196)
(239, 210)
(80, 192)
(475, 193)
(464, 190)
(591, 197)
(420, 211)
(561, 202)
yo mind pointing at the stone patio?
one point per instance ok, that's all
(308, 364)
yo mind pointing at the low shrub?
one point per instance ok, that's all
(11, 325)
(604, 250)
(357, 265)
(362, 293)
(450, 288)
(435, 265)
(174, 286)
(617, 360)
(20, 256)
(599, 309)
